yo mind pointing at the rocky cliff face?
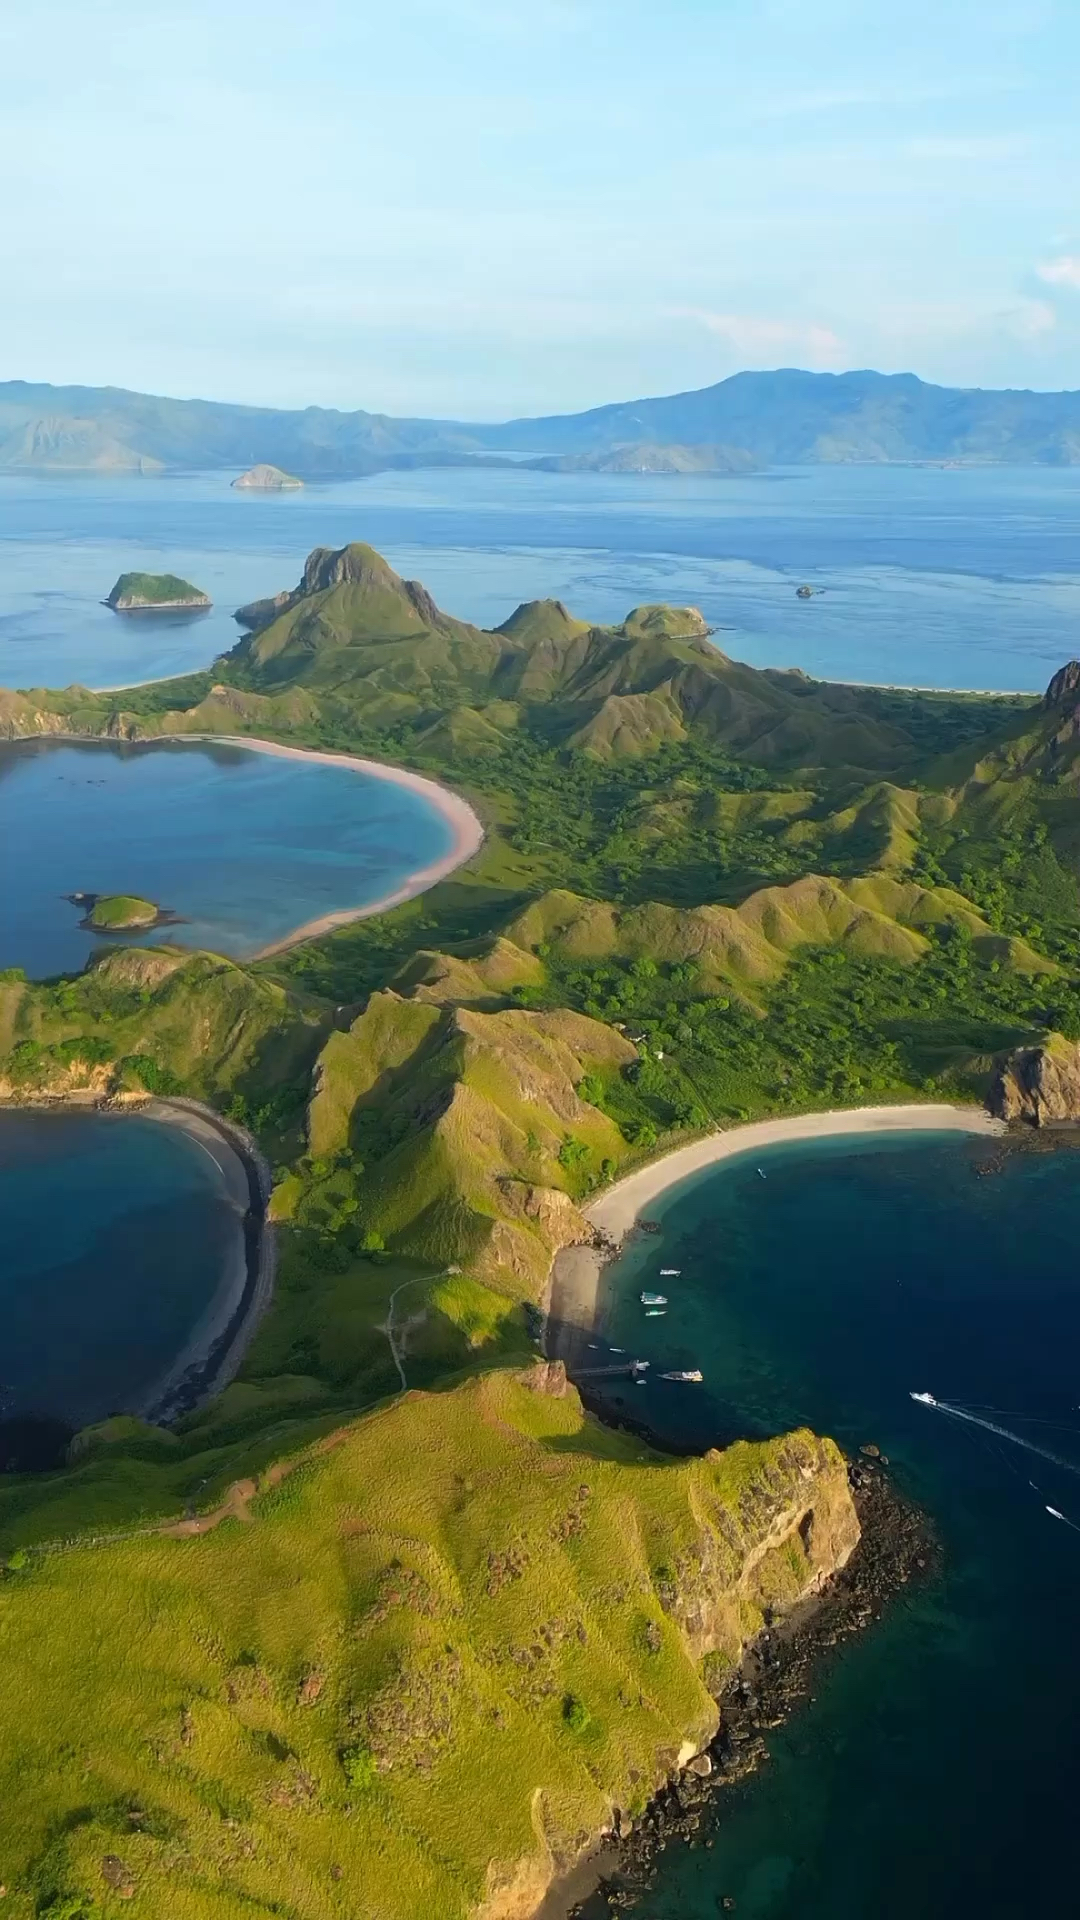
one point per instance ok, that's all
(1064, 688)
(1040, 1084)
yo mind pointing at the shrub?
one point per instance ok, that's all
(358, 1766)
(576, 1714)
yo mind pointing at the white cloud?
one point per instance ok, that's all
(1062, 272)
(1031, 318)
(755, 335)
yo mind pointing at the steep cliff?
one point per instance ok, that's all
(1040, 1084)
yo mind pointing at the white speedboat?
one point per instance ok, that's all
(689, 1375)
(654, 1299)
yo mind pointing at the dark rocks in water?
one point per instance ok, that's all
(776, 1677)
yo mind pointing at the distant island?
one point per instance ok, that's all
(783, 418)
(267, 479)
(138, 592)
(646, 458)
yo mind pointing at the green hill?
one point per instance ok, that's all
(354, 634)
(470, 1129)
(422, 1672)
(156, 1020)
(750, 945)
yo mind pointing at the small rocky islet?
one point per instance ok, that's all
(264, 478)
(155, 592)
(121, 913)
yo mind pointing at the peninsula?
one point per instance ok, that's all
(477, 1629)
(158, 592)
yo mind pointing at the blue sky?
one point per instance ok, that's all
(478, 208)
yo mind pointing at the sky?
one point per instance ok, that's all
(485, 208)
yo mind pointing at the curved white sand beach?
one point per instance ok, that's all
(467, 828)
(575, 1275)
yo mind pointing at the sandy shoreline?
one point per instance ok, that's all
(575, 1276)
(468, 829)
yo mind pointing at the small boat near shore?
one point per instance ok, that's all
(654, 1299)
(688, 1376)
(655, 1313)
(670, 1273)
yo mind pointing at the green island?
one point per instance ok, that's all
(392, 1625)
(136, 592)
(113, 912)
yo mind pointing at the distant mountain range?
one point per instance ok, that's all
(786, 418)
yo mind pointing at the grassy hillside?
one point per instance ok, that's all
(159, 1020)
(416, 1672)
(470, 1131)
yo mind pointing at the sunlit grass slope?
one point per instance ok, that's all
(359, 1700)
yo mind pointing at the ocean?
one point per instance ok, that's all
(118, 1233)
(937, 1769)
(928, 576)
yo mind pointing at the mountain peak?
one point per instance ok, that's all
(1064, 688)
(356, 565)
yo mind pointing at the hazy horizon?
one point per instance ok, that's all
(465, 211)
(497, 419)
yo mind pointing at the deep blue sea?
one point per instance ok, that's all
(937, 1772)
(937, 577)
(117, 1234)
(245, 846)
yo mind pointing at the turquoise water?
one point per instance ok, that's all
(937, 577)
(117, 1235)
(936, 1773)
(245, 846)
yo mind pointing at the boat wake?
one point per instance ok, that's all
(1003, 1433)
(1017, 1439)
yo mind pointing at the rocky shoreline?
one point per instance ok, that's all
(775, 1678)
